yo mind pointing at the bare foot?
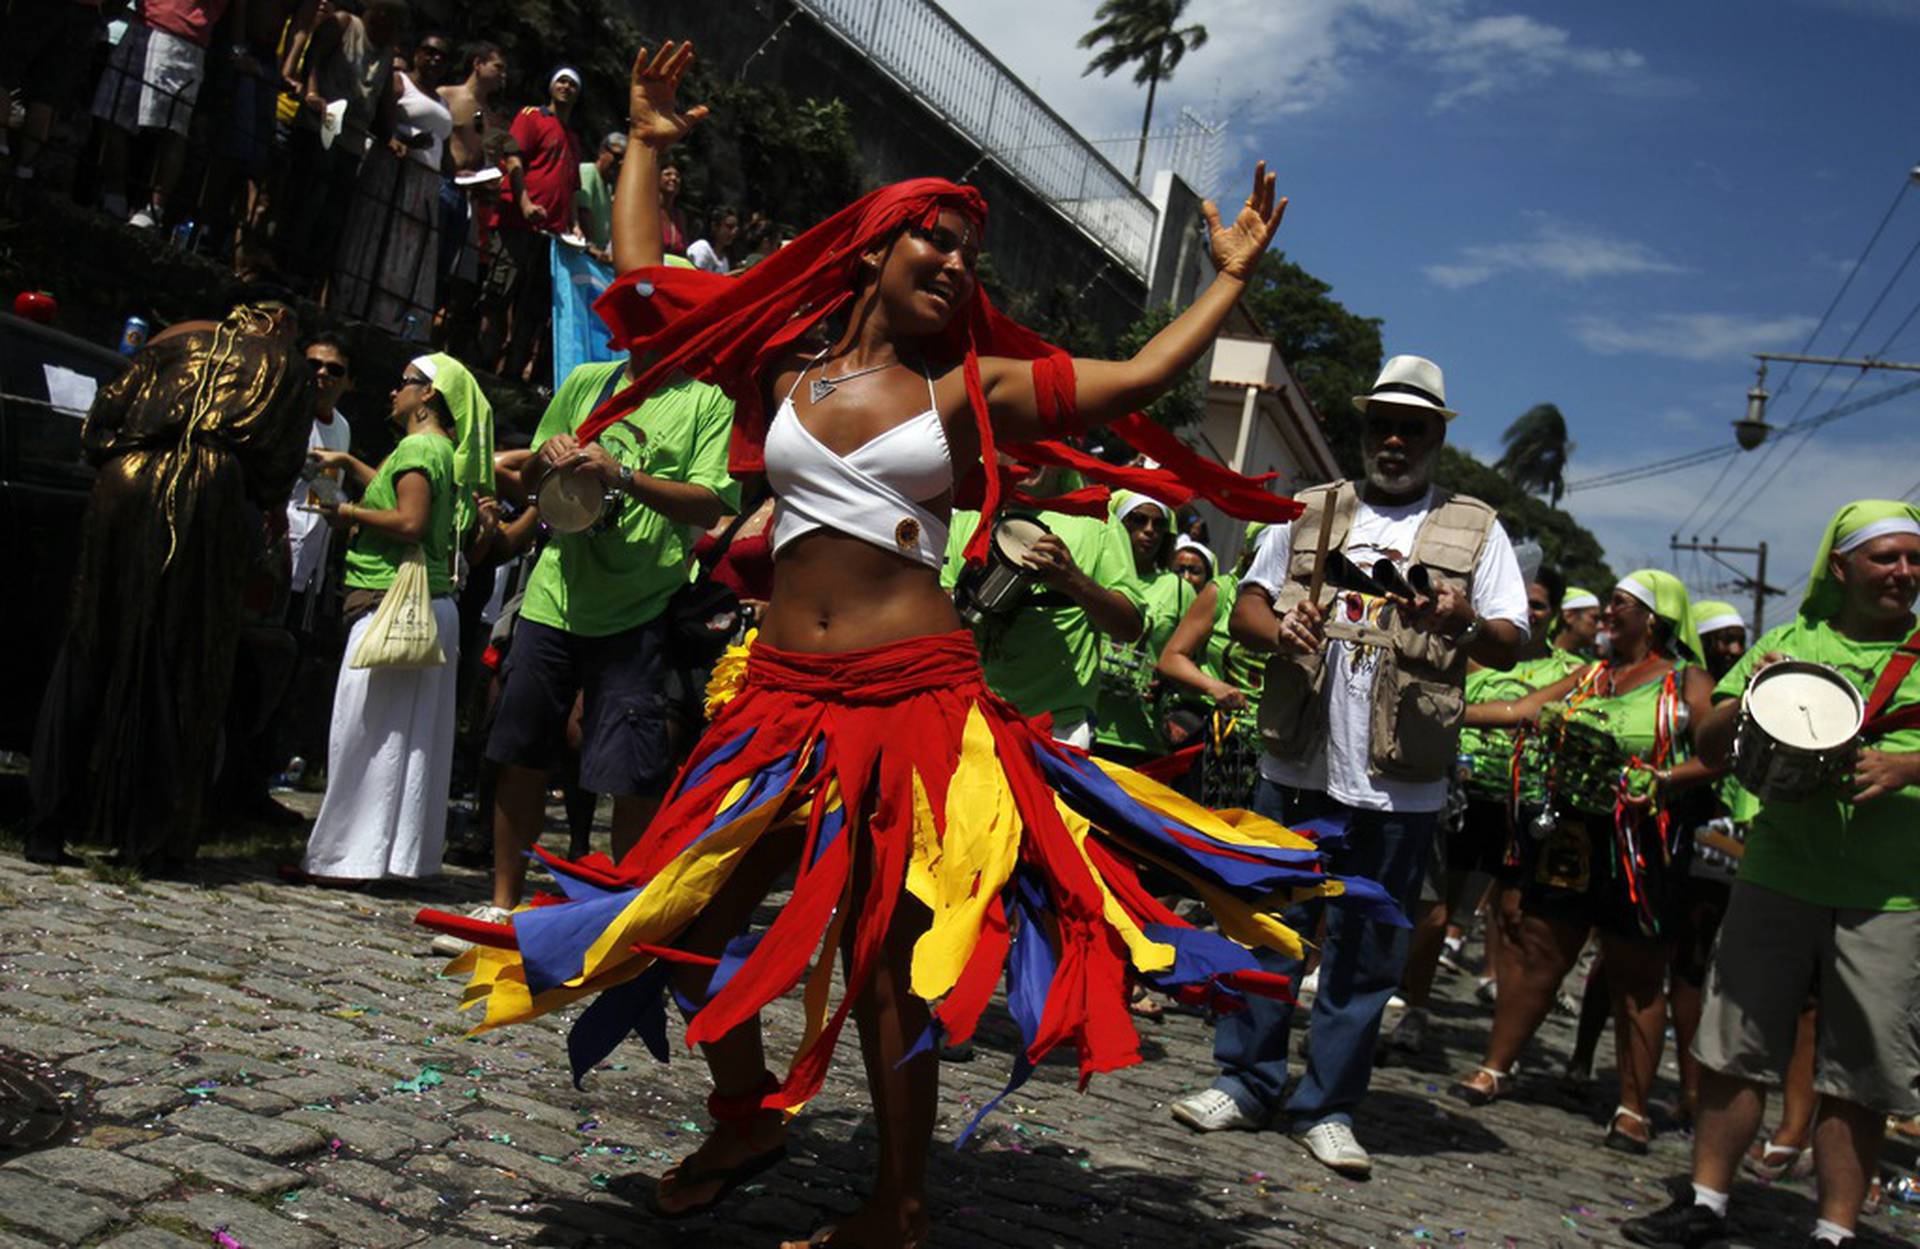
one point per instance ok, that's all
(897, 1224)
(727, 1147)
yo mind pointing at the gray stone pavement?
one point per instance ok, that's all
(248, 1063)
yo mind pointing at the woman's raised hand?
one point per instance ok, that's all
(1237, 247)
(653, 118)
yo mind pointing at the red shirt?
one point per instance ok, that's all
(192, 20)
(551, 160)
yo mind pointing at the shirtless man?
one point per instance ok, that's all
(474, 137)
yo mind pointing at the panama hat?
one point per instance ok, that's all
(1411, 381)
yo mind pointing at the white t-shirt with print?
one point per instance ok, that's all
(704, 256)
(307, 532)
(1341, 770)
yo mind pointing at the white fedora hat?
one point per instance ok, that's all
(1412, 381)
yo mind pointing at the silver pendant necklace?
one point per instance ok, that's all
(822, 386)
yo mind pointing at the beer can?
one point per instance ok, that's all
(133, 335)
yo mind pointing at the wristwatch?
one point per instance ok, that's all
(1465, 637)
(625, 476)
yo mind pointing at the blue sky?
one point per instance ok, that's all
(1603, 206)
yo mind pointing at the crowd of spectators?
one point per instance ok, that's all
(380, 166)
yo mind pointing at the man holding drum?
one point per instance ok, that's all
(1829, 888)
(591, 620)
(1364, 733)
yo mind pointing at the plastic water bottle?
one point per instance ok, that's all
(183, 236)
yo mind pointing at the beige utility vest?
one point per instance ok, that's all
(1419, 685)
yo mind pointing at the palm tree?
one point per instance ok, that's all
(1147, 33)
(1536, 452)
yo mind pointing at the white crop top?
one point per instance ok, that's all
(877, 493)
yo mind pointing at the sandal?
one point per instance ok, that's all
(729, 1178)
(1621, 1141)
(1143, 1004)
(1770, 1162)
(1474, 1095)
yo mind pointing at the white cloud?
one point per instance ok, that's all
(1488, 55)
(1640, 517)
(1558, 249)
(1689, 335)
(1269, 58)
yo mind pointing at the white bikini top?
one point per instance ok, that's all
(875, 494)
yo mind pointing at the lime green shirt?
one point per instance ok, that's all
(373, 558)
(606, 581)
(1125, 718)
(1225, 659)
(1048, 658)
(1489, 752)
(1826, 850)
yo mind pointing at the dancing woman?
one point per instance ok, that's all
(1603, 854)
(936, 837)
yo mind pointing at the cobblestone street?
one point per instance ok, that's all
(283, 1067)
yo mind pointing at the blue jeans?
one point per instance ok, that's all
(1360, 967)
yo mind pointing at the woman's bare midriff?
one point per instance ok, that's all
(834, 593)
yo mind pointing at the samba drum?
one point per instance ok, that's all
(1002, 584)
(576, 502)
(1798, 731)
(1572, 764)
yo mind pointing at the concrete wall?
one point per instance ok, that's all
(1032, 246)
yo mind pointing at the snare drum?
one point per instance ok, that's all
(576, 502)
(1798, 732)
(1002, 584)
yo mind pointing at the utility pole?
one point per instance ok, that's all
(1757, 582)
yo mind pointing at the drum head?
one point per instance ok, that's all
(1014, 537)
(571, 502)
(1805, 705)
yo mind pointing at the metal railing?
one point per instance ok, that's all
(1192, 149)
(937, 61)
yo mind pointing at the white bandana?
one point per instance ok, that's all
(1875, 529)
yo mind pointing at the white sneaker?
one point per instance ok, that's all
(1311, 985)
(1210, 1110)
(144, 218)
(1332, 1145)
(451, 946)
(1396, 1002)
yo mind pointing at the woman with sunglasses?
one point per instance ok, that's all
(1608, 748)
(935, 837)
(390, 751)
(1125, 726)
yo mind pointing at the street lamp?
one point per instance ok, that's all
(1753, 430)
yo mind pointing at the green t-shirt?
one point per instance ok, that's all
(1826, 850)
(1048, 658)
(605, 581)
(373, 558)
(593, 206)
(1126, 716)
(1489, 752)
(1225, 659)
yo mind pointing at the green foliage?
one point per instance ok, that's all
(794, 160)
(1536, 451)
(1331, 352)
(1186, 403)
(1568, 546)
(1146, 34)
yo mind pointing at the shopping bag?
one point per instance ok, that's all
(403, 633)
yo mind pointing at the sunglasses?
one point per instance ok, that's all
(1144, 520)
(328, 368)
(413, 379)
(1407, 429)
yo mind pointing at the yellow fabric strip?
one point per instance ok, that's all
(970, 864)
(1146, 954)
(1234, 827)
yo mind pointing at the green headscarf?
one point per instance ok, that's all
(1860, 521)
(1710, 615)
(1573, 599)
(472, 433)
(1664, 595)
(1126, 502)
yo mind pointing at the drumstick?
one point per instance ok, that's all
(1320, 555)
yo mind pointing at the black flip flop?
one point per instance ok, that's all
(729, 1178)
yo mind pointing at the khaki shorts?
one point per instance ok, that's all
(1864, 967)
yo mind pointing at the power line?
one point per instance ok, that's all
(1786, 384)
(1722, 517)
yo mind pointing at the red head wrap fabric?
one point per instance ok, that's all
(732, 332)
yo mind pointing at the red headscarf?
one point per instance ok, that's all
(732, 331)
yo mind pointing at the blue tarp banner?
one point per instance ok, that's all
(579, 337)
